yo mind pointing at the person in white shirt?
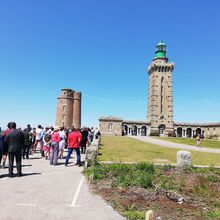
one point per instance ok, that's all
(62, 142)
(38, 140)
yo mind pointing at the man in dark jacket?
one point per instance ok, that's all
(14, 141)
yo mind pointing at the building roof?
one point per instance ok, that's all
(110, 118)
(215, 124)
(135, 122)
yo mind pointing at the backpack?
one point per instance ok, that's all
(47, 137)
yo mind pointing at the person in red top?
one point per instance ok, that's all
(4, 150)
(74, 139)
(55, 139)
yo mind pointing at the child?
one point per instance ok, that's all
(46, 143)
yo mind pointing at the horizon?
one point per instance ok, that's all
(103, 50)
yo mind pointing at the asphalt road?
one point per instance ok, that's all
(48, 192)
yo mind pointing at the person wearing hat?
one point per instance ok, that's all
(55, 139)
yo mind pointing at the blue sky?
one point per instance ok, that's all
(103, 48)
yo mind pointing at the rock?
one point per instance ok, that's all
(184, 159)
(149, 215)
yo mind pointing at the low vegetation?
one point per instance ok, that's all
(171, 193)
(125, 149)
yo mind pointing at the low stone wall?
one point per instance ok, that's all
(92, 152)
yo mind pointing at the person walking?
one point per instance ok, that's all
(74, 139)
(55, 139)
(14, 142)
(198, 140)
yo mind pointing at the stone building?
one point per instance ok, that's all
(160, 107)
(69, 109)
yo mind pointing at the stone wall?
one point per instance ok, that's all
(110, 125)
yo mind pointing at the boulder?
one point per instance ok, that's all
(184, 158)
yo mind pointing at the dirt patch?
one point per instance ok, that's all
(174, 194)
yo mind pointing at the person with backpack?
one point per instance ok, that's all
(47, 143)
(27, 143)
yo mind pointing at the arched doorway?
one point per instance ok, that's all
(134, 130)
(179, 132)
(189, 132)
(161, 129)
(125, 129)
(198, 131)
(143, 131)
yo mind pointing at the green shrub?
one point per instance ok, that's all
(147, 167)
(124, 181)
(214, 214)
(171, 134)
(213, 178)
(134, 215)
(144, 180)
(154, 133)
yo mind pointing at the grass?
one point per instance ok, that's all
(125, 149)
(191, 141)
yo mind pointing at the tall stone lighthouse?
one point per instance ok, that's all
(69, 109)
(160, 92)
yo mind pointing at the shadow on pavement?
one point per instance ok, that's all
(34, 158)
(3, 176)
(30, 174)
(15, 175)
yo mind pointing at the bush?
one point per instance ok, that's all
(145, 180)
(154, 133)
(134, 215)
(147, 167)
(171, 134)
(213, 136)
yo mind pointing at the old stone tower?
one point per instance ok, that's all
(69, 108)
(160, 92)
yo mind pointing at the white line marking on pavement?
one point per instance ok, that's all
(26, 204)
(73, 204)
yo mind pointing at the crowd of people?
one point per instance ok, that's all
(50, 141)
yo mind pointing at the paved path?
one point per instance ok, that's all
(174, 145)
(50, 193)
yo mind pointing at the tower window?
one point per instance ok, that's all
(64, 108)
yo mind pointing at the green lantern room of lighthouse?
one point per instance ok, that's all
(160, 51)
